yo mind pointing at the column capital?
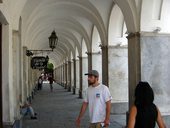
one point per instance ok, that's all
(132, 35)
(80, 57)
(69, 61)
(88, 53)
(103, 46)
(93, 53)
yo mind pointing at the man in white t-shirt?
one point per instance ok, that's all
(98, 99)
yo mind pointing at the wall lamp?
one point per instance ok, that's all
(53, 40)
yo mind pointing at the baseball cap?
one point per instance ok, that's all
(93, 72)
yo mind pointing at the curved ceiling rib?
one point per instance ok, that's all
(43, 31)
(64, 9)
(65, 17)
(58, 23)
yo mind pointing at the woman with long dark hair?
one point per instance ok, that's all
(144, 113)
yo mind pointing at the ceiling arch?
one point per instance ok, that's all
(61, 8)
(38, 30)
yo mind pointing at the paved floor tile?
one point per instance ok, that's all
(59, 109)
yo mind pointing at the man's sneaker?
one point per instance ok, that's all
(35, 114)
(33, 117)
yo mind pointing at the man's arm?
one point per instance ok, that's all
(82, 111)
(108, 110)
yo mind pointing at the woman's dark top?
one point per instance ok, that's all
(146, 116)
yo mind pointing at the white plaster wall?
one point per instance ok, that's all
(72, 75)
(24, 75)
(96, 41)
(118, 73)
(64, 73)
(62, 78)
(77, 76)
(7, 75)
(157, 14)
(155, 68)
(68, 81)
(29, 77)
(16, 74)
(97, 64)
(84, 70)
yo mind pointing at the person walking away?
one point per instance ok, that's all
(51, 80)
(144, 113)
(98, 99)
(40, 82)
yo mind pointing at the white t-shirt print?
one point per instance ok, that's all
(96, 97)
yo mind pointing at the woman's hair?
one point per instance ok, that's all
(144, 95)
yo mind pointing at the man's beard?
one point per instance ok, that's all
(91, 83)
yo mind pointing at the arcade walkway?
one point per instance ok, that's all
(59, 109)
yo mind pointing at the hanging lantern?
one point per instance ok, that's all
(53, 39)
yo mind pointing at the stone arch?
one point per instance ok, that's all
(117, 28)
(96, 52)
(76, 53)
(130, 14)
(118, 60)
(84, 48)
(96, 41)
(157, 15)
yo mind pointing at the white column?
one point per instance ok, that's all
(24, 76)
(65, 73)
(69, 76)
(84, 70)
(16, 73)
(61, 75)
(118, 77)
(72, 75)
(7, 76)
(97, 64)
(29, 78)
(77, 76)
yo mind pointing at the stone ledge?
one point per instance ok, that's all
(154, 34)
(119, 108)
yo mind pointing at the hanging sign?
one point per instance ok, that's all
(39, 62)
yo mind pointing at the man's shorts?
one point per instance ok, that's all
(96, 125)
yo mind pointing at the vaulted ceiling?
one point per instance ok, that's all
(73, 21)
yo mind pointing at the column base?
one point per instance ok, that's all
(80, 94)
(15, 124)
(69, 89)
(127, 117)
(74, 91)
(65, 86)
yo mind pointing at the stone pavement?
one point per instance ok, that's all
(59, 109)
